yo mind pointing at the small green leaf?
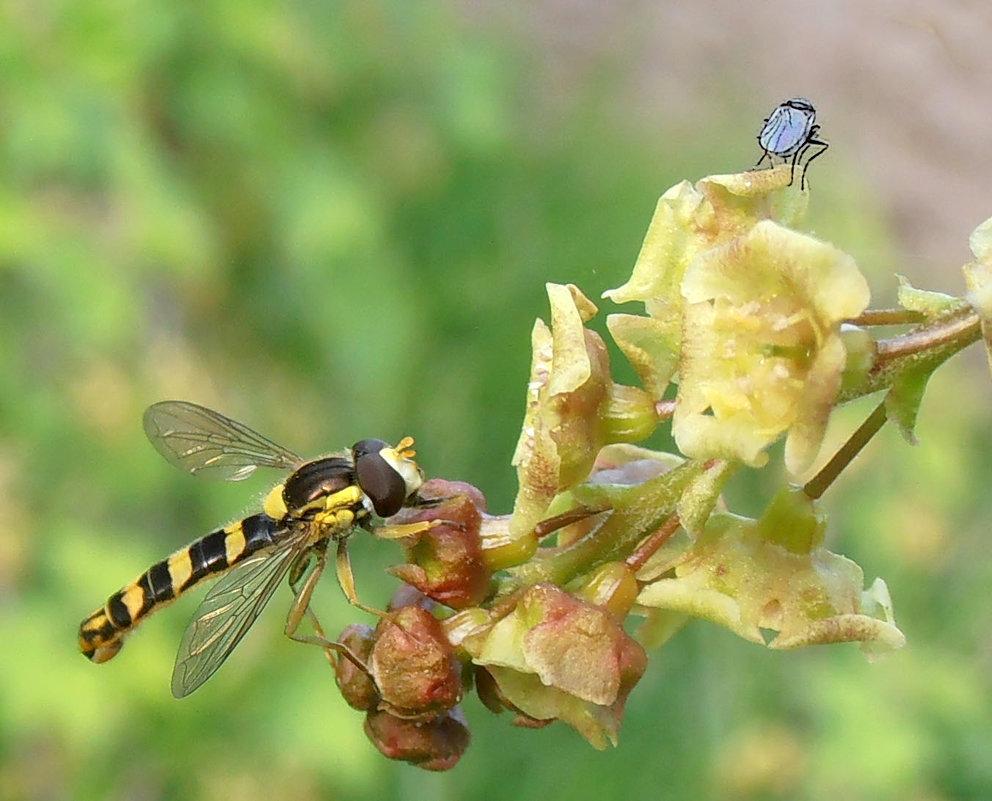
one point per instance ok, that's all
(773, 574)
(930, 304)
(902, 403)
(701, 495)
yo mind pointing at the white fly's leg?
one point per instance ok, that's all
(822, 148)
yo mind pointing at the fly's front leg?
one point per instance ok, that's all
(398, 531)
(341, 520)
(764, 155)
(346, 578)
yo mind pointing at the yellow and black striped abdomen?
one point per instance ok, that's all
(101, 635)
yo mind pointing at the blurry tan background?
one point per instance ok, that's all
(335, 220)
(904, 85)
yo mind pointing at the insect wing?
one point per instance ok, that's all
(786, 130)
(201, 441)
(226, 613)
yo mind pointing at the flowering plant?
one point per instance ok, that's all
(752, 332)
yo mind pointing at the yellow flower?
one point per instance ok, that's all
(573, 408)
(688, 221)
(558, 657)
(762, 352)
(773, 574)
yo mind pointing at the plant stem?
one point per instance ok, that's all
(649, 547)
(888, 317)
(635, 512)
(930, 344)
(960, 331)
(817, 485)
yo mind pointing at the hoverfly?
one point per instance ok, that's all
(321, 501)
(789, 132)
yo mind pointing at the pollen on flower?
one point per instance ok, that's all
(762, 351)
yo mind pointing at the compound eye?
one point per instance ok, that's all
(379, 480)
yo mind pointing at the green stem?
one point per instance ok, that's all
(954, 332)
(816, 486)
(633, 513)
(888, 317)
(928, 345)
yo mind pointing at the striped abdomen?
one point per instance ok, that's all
(101, 635)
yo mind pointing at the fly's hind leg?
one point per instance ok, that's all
(301, 607)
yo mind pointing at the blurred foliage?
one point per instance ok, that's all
(334, 220)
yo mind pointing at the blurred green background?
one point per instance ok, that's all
(335, 220)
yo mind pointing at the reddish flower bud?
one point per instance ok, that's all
(556, 656)
(440, 489)
(357, 687)
(414, 665)
(446, 562)
(407, 595)
(434, 744)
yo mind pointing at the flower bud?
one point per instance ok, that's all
(501, 546)
(612, 586)
(630, 415)
(414, 665)
(556, 656)
(357, 687)
(435, 744)
(446, 562)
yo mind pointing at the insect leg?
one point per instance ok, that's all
(795, 158)
(823, 147)
(398, 531)
(346, 578)
(301, 607)
(301, 599)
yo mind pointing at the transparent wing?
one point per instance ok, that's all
(201, 441)
(227, 612)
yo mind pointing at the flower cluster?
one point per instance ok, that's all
(751, 333)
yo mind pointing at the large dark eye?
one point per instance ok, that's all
(377, 478)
